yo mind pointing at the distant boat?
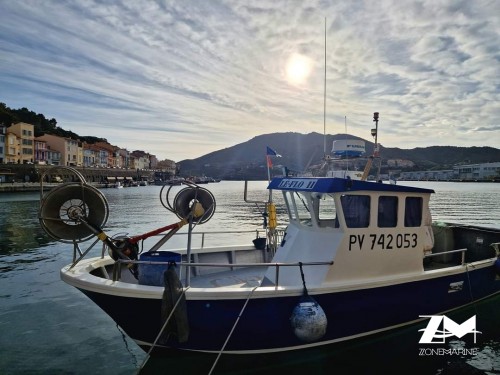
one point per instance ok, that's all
(346, 154)
(348, 148)
(174, 181)
(353, 175)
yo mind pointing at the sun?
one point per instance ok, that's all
(298, 69)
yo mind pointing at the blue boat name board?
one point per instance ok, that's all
(296, 183)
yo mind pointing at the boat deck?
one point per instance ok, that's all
(239, 277)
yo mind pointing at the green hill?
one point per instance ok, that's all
(301, 151)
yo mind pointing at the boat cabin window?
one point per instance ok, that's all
(324, 206)
(387, 212)
(413, 211)
(298, 208)
(356, 210)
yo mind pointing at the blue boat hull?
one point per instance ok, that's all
(264, 326)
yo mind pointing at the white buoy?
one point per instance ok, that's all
(308, 320)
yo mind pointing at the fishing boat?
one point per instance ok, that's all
(356, 258)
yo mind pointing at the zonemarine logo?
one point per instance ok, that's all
(440, 327)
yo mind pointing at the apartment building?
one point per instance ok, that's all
(168, 166)
(40, 152)
(11, 148)
(71, 152)
(2, 143)
(153, 161)
(53, 157)
(96, 156)
(480, 171)
(123, 158)
(141, 160)
(110, 151)
(21, 138)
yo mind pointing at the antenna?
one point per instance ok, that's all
(324, 104)
(347, 151)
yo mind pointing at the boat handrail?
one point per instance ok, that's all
(448, 252)
(257, 232)
(279, 232)
(117, 269)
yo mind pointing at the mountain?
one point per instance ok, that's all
(300, 152)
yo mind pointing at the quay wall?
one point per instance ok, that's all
(32, 173)
(26, 177)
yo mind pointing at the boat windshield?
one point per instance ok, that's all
(312, 209)
(324, 206)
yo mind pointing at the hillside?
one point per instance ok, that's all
(41, 124)
(301, 151)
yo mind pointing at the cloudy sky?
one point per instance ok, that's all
(180, 79)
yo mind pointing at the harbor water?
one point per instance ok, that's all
(49, 327)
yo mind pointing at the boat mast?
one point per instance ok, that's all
(369, 162)
(346, 152)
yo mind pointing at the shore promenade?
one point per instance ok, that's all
(26, 177)
(22, 187)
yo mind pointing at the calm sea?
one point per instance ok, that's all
(48, 327)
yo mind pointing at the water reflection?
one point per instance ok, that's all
(138, 210)
(19, 228)
(57, 325)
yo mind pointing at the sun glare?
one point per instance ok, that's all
(298, 69)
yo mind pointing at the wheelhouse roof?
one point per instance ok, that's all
(338, 185)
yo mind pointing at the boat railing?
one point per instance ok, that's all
(258, 233)
(117, 268)
(278, 233)
(447, 253)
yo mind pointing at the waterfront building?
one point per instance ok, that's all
(89, 156)
(123, 158)
(100, 156)
(400, 163)
(141, 160)
(53, 157)
(23, 143)
(2, 143)
(11, 148)
(481, 171)
(79, 153)
(438, 175)
(40, 152)
(168, 166)
(70, 149)
(153, 161)
(111, 152)
(461, 172)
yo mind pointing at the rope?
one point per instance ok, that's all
(470, 287)
(124, 338)
(144, 236)
(303, 279)
(232, 330)
(148, 354)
